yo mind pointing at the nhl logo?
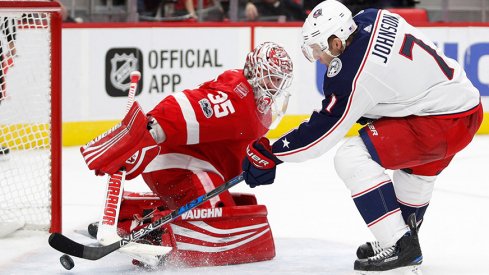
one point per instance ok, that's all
(122, 66)
(317, 13)
(119, 63)
(334, 67)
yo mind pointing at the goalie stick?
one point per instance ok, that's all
(68, 246)
(108, 229)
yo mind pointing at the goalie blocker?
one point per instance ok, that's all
(204, 236)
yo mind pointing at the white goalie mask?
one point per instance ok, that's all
(328, 18)
(268, 69)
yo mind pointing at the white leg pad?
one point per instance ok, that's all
(356, 167)
(361, 173)
(146, 253)
(413, 190)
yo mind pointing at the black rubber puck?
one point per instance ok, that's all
(66, 261)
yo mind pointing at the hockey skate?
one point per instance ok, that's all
(369, 249)
(404, 256)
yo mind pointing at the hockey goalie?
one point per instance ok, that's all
(190, 143)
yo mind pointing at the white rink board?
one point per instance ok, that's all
(85, 96)
(84, 64)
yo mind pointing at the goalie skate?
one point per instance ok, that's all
(404, 256)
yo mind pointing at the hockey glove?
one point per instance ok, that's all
(129, 145)
(260, 163)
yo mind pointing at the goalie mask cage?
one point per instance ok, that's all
(30, 115)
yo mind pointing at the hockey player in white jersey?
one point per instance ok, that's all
(419, 108)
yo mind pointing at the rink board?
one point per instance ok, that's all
(97, 59)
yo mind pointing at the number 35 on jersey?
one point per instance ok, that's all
(218, 105)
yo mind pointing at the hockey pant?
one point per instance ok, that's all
(204, 236)
(417, 149)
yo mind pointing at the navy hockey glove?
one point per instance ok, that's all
(260, 163)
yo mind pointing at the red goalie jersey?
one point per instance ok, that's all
(207, 130)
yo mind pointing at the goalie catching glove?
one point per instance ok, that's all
(260, 163)
(129, 145)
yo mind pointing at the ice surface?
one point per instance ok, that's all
(313, 219)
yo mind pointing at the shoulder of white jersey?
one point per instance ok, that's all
(344, 69)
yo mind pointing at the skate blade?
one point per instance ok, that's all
(407, 270)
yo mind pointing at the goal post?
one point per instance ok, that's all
(30, 115)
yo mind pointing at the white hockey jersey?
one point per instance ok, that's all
(390, 69)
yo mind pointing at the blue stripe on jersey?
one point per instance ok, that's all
(340, 85)
(370, 146)
(377, 202)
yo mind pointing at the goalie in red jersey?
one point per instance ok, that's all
(189, 144)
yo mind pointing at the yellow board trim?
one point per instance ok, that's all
(79, 133)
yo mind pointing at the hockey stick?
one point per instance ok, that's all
(68, 246)
(115, 184)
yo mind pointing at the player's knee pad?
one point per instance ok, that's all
(355, 166)
(220, 236)
(413, 193)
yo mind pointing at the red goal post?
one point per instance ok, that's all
(30, 115)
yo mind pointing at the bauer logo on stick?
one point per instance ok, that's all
(119, 63)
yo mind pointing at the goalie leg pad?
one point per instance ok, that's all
(134, 207)
(128, 145)
(220, 236)
(176, 187)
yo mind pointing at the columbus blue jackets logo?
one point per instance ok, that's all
(334, 67)
(317, 13)
(205, 105)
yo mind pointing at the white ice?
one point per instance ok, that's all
(314, 221)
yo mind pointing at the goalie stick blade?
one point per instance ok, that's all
(70, 247)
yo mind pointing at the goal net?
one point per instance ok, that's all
(30, 120)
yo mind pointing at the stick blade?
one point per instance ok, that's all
(66, 245)
(70, 247)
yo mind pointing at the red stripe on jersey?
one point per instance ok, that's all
(384, 216)
(370, 189)
(413, 205)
